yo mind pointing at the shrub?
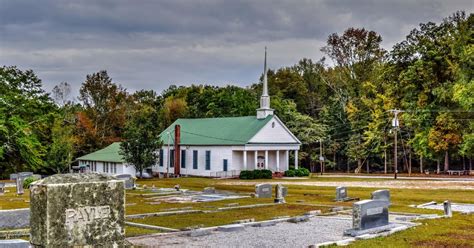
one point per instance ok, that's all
(255, 174)
(28, 181)
(246, 174)
(301, 172)
(266, 174)
(290, 173)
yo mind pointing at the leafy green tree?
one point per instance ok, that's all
(141, 138)
(24, 113)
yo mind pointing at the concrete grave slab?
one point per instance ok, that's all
(14, 243)
(15, 218)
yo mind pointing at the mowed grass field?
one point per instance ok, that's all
(453, 232)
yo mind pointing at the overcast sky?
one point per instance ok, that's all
(152, 44)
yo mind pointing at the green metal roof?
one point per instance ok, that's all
(216, 131)
(108, 154)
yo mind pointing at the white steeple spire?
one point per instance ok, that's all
(264, 109)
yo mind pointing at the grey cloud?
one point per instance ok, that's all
(150, 44)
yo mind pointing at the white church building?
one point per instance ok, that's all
(228, 145)
(214, 147)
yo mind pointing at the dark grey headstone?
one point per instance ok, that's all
(263, 190)
(369, 214)
(447, 209)
(14, 243)
(83, 209)
(14, 218)
(284, 191)
(341, 193)
(129, 181)
(13, 176)
(382, 195)
(2, 188)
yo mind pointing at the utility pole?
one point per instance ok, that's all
(321, 158)
(395, 125)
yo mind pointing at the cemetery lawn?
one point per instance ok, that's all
(301, 199)
(453, 232)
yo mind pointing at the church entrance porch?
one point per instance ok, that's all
(276, 160)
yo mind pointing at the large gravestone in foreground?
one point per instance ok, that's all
(77, 210)
(369, 216)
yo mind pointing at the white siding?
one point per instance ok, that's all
(274, 132)
(98, 166)
(218, 154)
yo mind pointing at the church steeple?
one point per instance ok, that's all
(264, 109)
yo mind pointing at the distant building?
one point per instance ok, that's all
(107, 161)
(219, 146)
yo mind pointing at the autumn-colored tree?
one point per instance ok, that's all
(444, 136)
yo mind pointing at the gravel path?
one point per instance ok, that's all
(284, 234)
(392, 184)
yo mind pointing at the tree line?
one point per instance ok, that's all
(340, 103)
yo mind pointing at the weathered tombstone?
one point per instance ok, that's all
(279, 194)
(368, 214)
(382, 195)
(2, 188)
(19, 186)
(84, 209)
(341, 193)
(447, 209)
(263, 190)
(128, 179)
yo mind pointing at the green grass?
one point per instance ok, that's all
(453, 232)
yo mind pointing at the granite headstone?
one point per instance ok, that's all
(128, 179)
(369, 214)
(19, 185)
(341, 193)
(279, 197)
(448, 212)
(263, 190)
(84, 209)
(382, 195)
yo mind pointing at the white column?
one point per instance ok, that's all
(296, 159)
(278, 160)
(256, 159)
(245, 160)
(287, 159)
(266, 159)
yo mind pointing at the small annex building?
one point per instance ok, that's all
(107, 161)
(225, 146)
